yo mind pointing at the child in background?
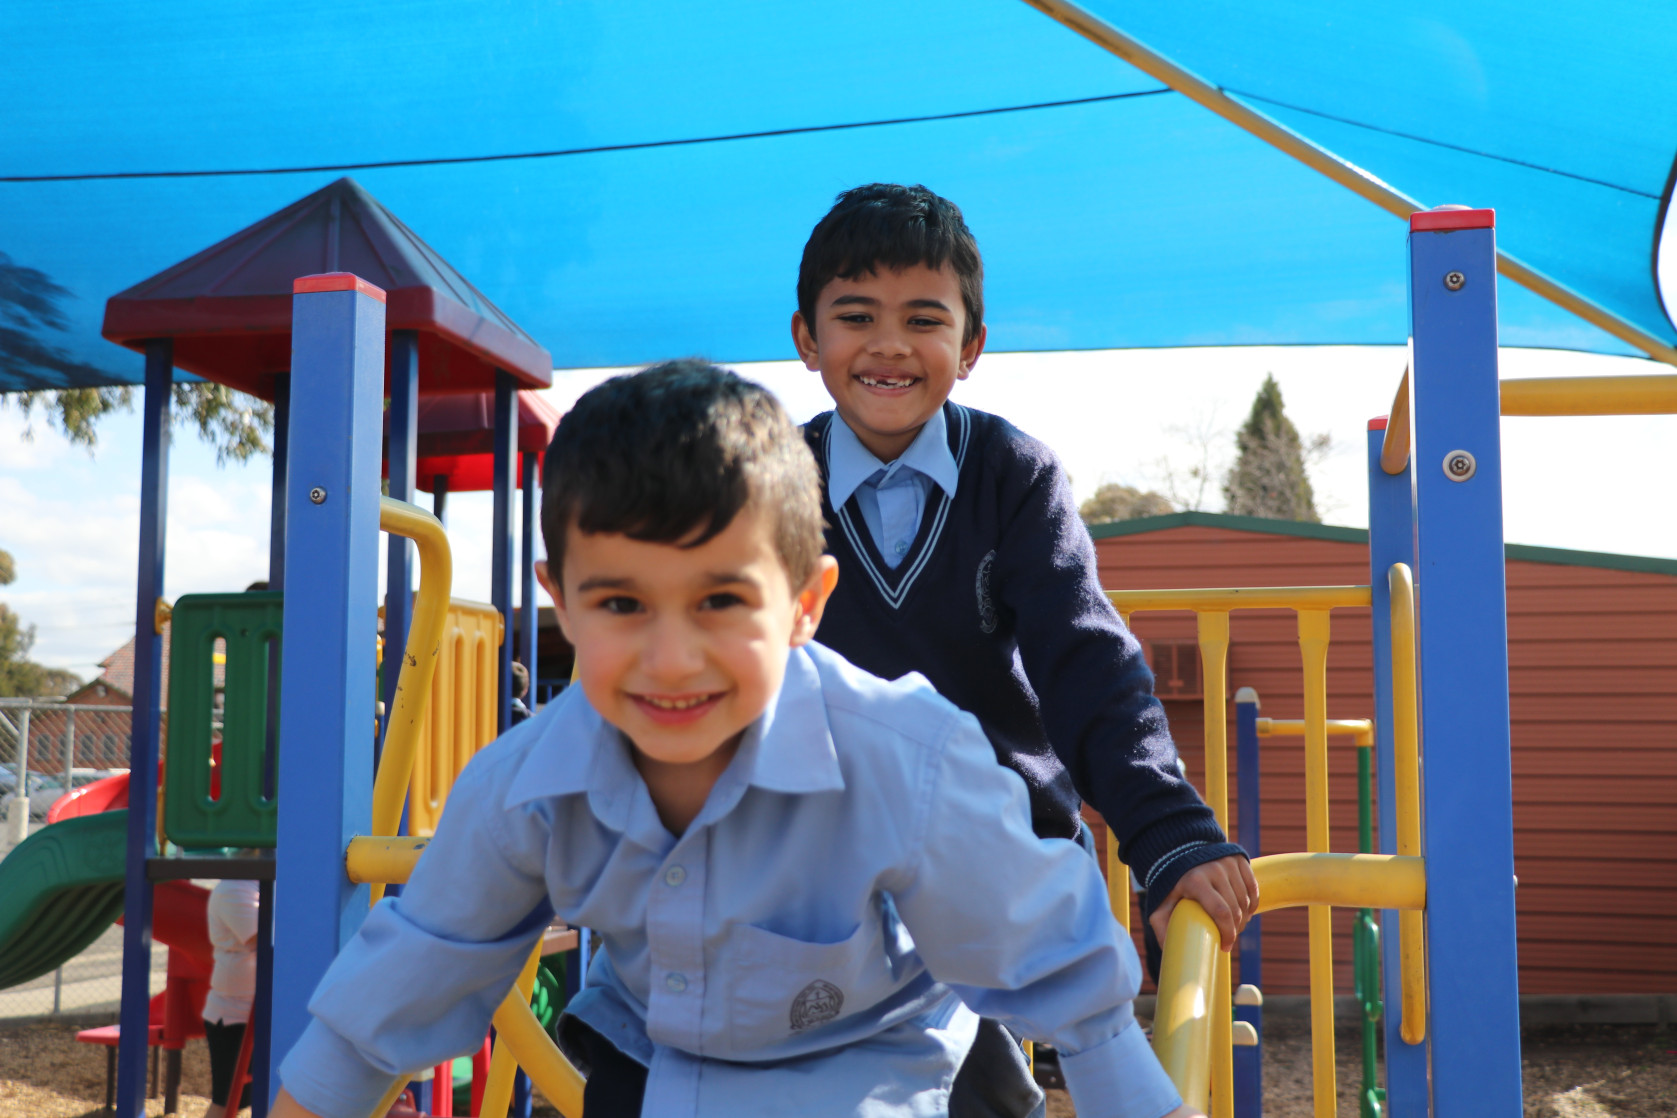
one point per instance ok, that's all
(803, 876)
(965, 561)
(232, 928)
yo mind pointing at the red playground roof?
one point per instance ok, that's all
(228, 308)
(457, 438)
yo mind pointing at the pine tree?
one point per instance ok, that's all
(1268, 479)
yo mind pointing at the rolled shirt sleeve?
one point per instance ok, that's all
(419, 982)
(1020, 928)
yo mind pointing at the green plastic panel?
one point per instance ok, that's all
(59, 890)
(196, 812)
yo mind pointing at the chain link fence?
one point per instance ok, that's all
(46, 750)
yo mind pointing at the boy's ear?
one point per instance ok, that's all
(812, 600)
(552, 588)
(971, 352)
(804, 338)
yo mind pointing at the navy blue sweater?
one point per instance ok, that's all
(999, 605)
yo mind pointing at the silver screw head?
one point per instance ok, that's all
(317, 495)
(1459, 465)
(1454, 281)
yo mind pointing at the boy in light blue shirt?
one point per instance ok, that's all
(809, 881)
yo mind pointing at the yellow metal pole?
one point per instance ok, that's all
(497, 1087)
(1183, 1020)
(1360, 728)
(1394, 448)
(382, 860)
(1214, 653)
(1225, 599)
(1406, 758)
(419, 660)
(1117, 881)
(1313, 647)
(1319, 159)
(1643, 395)
(537, 1054)
(1340, 881)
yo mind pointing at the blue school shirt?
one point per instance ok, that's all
(861, 880)
(892, 497)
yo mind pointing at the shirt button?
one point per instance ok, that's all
(674, 876)
(902, 547)
(676, 983)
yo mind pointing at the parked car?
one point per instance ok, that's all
(46, 788)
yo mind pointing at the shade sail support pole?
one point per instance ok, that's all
(1323, 161)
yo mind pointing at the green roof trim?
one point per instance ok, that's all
(1233, 523)
(1526, 553)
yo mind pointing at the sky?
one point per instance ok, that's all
(1139, 417)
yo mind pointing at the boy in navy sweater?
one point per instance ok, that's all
(965, 560)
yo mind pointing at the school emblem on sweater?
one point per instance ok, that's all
(986, 607)
(816, 1004)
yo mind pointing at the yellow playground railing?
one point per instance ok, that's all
(461, 717)
(1193, 1027)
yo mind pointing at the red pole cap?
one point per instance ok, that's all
(1444, 220)
(1378, 423)
(336, 281)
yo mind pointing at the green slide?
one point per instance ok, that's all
(59, 890)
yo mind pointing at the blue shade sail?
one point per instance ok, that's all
(633, 181)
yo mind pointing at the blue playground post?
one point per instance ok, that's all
(500, 593)
(261, 1051)
(1249, 1062)
(142, 756)
(401, 453)
(527, 575)
(1462, 631)
(1391, 539)
(327, 726)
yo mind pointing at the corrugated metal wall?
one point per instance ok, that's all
(1593, 677)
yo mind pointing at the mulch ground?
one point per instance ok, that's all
(1598, 1071)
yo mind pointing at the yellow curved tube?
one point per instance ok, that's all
(1406, 764)
(419, 659)
(1361, 729)
(497, 1088)
(1182, 1024)
(1182, 1021)
(1638, 395)
(540, 1057)
(1213, 633)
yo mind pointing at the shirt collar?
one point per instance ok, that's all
(789, 749)
(849, 463)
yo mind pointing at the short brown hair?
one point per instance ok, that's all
(883, 225)
(671, 454)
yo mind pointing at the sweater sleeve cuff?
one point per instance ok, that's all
(1168, 870)
(329, 1077)
(1119, 1078)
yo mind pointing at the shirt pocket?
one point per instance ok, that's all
(785, 990)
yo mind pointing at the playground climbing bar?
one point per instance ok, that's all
(1312, 604)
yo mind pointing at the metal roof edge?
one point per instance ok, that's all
(1525, 553)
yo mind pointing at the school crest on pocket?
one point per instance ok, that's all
(816, 1004)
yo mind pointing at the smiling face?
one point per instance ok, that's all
(683, 648)
(888, 347)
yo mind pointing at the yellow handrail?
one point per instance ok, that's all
(1360, 728)
(1406, 792)
(382, 860)
(1551, 396)
(1185, 1016)
(1240, 597)
(536, 1053)
(419, 660)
